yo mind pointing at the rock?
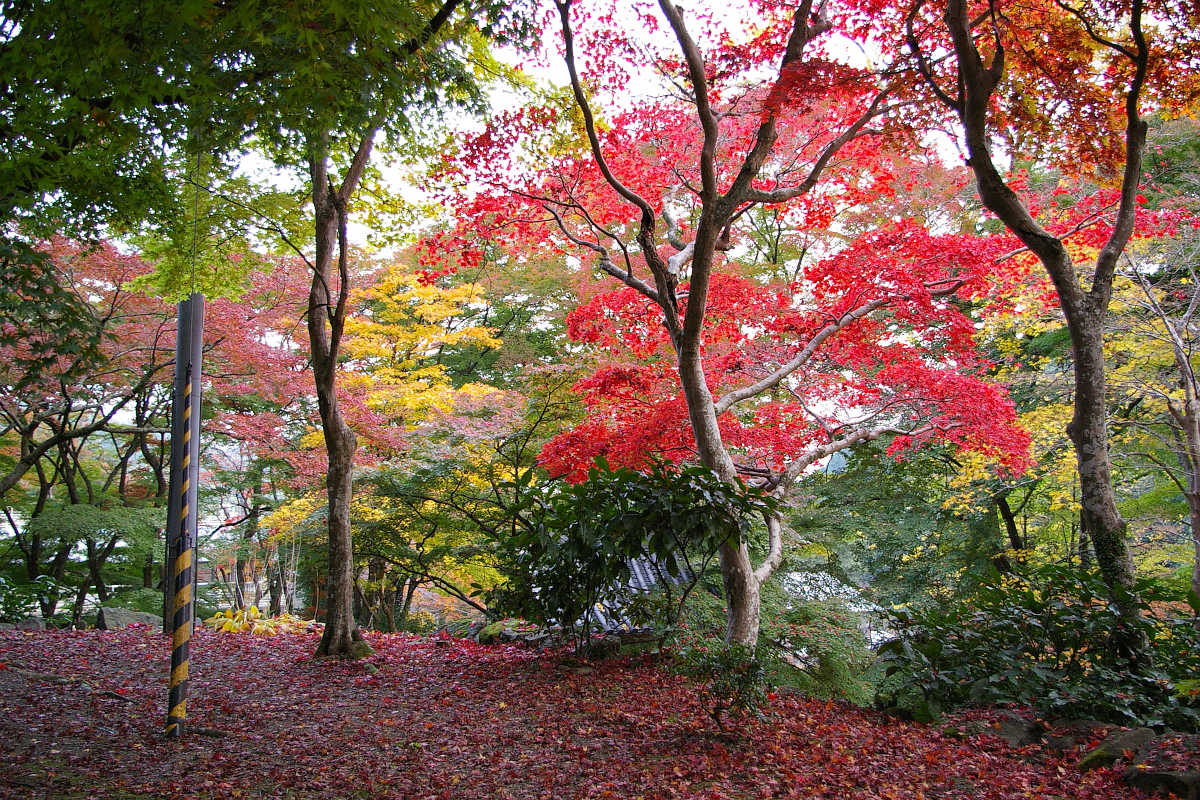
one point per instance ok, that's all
(490, 634)
(1069, 734)
(636, 642)
(113, 619)
(536, 639)
(31, 624)
(1182, 784)
(604, 647)
(577, 669)
(1169, 763)
(1115, 747)
(963, 730)
(1016, 729)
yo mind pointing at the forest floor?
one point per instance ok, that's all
(82, 714)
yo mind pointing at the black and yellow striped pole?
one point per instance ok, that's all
(182, 503)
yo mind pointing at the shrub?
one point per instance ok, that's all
(20, 600)
(419, 622)
(816, 646)
(251, 620)
(149, 601)
(822, 649)
(578, 542)
(733, 676)
(1043, 639)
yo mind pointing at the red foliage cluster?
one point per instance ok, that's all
(434, 718)
(917, 360)
(866, 336)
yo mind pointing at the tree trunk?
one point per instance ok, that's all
(275, 587)
(1010, 524)
(1196, 568)
(1089, 434)
(1188, 418)
(239, 579)
(409, 593)
(1084, 546)
(389, 607)
(1084, 310)
(364, 609)
(742, 595)
(77, 607)
(48, 602)
(326, 319)
(341, 630)
(249, 533)
(742, 586)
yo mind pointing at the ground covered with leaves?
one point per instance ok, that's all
(81, 715)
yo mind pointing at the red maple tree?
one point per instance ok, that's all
(704, 358)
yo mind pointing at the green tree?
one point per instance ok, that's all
(329, 81)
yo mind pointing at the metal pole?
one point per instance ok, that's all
(182, 505)
(175, 500)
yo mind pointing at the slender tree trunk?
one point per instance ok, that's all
(1188, 417)
(340, 628)
(1084, 310)
(742, 594)
(275, 588)
(77, 607)
(1088, 430)
(1196, 566)
(363, 613)
(389, 606)
(326, 319)
(239, 583)
(742, 586)
(409, 593)
(1010, 523)
(48, 602)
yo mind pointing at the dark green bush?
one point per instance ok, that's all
(816, 646)
(139, 599)
(1045, 639)
(577, 542)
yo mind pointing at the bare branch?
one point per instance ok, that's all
(774, 548)
(625, 276)
(814, 173)
(798, 466)
(798, 360)
(708, 120)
